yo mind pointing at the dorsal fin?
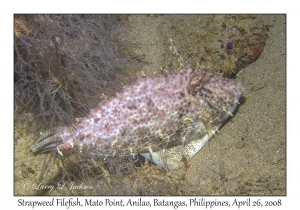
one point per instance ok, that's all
(87, 102)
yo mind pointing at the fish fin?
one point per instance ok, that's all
(87, 102)
(175, 157)
(48, 142)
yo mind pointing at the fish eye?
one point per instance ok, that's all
(195, 83)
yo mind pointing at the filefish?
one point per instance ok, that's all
(167, 119)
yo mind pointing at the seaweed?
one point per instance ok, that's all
(60, 61)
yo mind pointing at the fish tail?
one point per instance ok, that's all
(48, 142)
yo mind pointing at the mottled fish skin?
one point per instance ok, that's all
(153, 116)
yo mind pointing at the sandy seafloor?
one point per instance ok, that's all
(248, 155)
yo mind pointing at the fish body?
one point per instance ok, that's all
(164, 118)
